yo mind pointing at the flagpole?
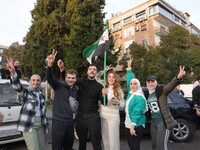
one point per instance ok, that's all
(104, 77)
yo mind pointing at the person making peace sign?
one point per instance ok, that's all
(161, 119)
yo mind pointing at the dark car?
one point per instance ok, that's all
(182, 110)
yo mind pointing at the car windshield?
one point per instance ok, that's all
(7, 94)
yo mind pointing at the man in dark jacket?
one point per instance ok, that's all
(65, 94)
(161, 119)
(196, 96)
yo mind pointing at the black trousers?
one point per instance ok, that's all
(88, 123)
(134, 141)
(62, 135)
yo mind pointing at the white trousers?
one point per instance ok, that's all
(110, 133)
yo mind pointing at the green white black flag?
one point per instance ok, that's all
(97, 48)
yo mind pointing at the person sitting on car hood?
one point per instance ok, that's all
(161, 119)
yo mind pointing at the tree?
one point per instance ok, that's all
(47, 32)
(176, 49)
(14, 51)
(85, 29)
(68, 26)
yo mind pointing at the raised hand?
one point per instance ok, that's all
(129, 62)
(51, 58)
(60, 64)
(10, 66)
(108, 67)
(181, 72)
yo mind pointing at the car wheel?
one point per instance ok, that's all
(182, 131)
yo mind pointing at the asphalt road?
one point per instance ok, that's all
(193, 144)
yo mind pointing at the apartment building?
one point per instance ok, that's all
(146, 23)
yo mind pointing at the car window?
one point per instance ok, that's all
(7, 93)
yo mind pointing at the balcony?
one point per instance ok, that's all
(160, 31)
(164, 20)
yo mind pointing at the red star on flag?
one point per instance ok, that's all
(103, 38)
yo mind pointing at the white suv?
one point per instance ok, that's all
(10, 109)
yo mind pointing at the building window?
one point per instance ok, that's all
(1, 50)
(183, 23)
(140, 14)
(145, 42)
(116, 25)
(193, 31)
(127, 20)
(153, 10)
(176, 19)
(165, 13)
(143, 27)
(127, 44)
(129, 32)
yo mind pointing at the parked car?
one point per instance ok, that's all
(182, 110)
(10, 109)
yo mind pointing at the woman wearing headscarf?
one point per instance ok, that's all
(136, 107)
(33, 120)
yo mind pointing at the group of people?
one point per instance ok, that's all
(85, 98)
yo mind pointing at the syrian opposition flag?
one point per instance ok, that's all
(97, 48)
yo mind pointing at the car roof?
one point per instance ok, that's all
(3, 81)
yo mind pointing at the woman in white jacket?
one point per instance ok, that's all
(110, 118)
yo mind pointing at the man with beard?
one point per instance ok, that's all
(87, 118)
(17, 66)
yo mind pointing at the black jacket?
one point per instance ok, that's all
(61, 108)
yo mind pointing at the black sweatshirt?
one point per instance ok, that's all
(89, 93)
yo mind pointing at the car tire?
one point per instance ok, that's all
(182, 131)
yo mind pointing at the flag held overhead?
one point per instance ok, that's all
(97, 48)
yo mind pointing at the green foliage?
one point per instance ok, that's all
(85, 29)
(178, 37)
(69, 26)
(15, 51)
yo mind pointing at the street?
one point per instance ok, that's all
(193, 144)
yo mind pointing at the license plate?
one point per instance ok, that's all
(7, 133)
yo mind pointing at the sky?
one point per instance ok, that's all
(15, 16)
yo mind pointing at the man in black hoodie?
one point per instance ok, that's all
(65, 94)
